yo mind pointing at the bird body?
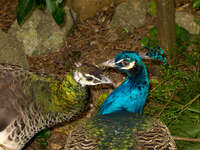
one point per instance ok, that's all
(120, 131)
(32, 101)
(119, 124)
(131, 94)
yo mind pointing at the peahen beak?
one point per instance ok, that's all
(109, 63)
(106, 80)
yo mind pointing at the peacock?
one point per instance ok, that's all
(31, 101)
(120, 124)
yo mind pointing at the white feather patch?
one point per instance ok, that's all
(130, 66)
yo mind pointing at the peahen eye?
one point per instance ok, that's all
(89, 78)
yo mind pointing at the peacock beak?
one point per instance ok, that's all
(109, 63)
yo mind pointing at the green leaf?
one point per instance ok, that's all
(59, 1)
(196, 4)
(45, 134)
(43, 144)
(57, 12)
(197, 21)
(144, 41)
(182, 38)
(153, 32)
(41, 4)
(154, 81)
(152, 8)
(194, 110)
(24, 8)
(124, 31)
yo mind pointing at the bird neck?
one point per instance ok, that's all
(129, 96)
(60, 96)
(138, 74)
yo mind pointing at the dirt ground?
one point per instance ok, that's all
(91, 42)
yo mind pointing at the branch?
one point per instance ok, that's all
(185, 139)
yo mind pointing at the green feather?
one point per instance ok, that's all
(120, 131)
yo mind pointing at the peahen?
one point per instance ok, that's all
(30, 101)
(119, 124)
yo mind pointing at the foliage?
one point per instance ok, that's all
(43, 137)
(173, 95)
(196, 4)
(152, 8)
(150, 40)
(197, 21)
(25, 7)
(182, 39)
(124, 31)
(175, 99)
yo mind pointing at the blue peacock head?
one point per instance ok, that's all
(127, 62)
(131, 94)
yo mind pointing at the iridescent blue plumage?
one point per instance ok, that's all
(131, 94)
(156, 53)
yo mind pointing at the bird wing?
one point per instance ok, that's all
(7, 103)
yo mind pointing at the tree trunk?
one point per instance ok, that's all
(166, 26)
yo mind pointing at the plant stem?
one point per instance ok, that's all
(186, 139)
(184, 107)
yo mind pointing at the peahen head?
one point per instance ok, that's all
(87, 74)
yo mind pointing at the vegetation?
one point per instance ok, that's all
(175, 98)
(43, 136)
(25, 7)
(196, 4)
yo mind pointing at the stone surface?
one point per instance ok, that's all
(187, 21)
(87, 8)
(11, 51)
(40, 33)
(131, 14)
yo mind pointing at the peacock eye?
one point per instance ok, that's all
(125, 63)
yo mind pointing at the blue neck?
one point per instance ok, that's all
(139, 75)
(130, 95)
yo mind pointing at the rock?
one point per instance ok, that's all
(111, 35)
(187, 21)
(130, 14)
(87, 8)
(11, 51)
(40, 33)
